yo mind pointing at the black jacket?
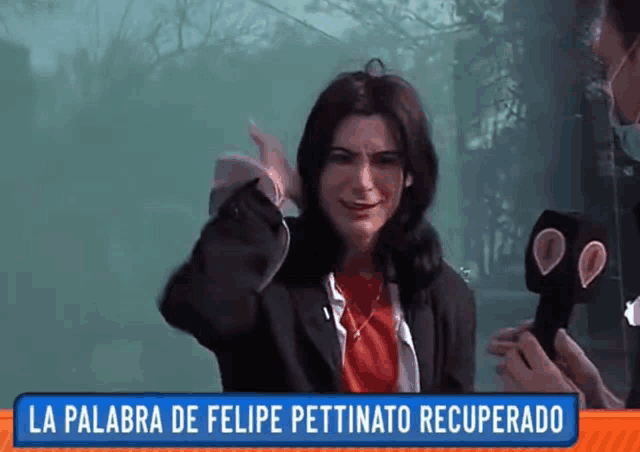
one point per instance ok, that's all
(271, 335)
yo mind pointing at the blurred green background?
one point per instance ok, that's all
(113, 113)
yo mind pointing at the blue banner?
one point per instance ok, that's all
(261, 420)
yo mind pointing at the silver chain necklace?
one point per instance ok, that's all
(356, 335)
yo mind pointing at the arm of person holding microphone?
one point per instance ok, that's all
(215, 295)
(525, 367)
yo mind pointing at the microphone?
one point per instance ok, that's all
(566, 254)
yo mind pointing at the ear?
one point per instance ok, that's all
(408, 182)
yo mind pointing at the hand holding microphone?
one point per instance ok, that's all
(567, 254)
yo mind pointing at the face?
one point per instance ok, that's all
(362, 182)
(623, 66)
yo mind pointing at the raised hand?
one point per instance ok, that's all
(272, 156)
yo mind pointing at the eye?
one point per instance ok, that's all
(338, 156)
(388, 158)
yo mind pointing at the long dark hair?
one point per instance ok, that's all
(367, 92)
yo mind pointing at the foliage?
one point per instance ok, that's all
(131, 126)
(29, 5)
(490, 107)
(192, 47)
(24, 7)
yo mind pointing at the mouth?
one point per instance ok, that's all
(357, 206)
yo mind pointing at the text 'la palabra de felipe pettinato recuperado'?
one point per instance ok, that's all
(304, 419)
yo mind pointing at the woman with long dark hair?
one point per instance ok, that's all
(351, 296)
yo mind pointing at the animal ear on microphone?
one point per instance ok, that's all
(549, 247)
(591, 262)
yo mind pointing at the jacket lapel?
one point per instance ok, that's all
(320, 330)
(421, 323)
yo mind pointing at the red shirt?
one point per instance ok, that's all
(371, 355)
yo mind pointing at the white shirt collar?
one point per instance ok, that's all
(409, 378)
(338, 302)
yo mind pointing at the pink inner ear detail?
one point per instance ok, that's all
(591, 263)
(549, 247)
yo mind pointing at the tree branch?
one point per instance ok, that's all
(295, 19)
(123, 20)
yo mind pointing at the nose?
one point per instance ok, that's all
(363, 178)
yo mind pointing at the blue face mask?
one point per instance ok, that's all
(629, 136)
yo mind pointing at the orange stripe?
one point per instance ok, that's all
(617, 431)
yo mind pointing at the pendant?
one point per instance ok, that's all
(356, 335)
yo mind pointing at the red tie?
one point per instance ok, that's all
(371, 355)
